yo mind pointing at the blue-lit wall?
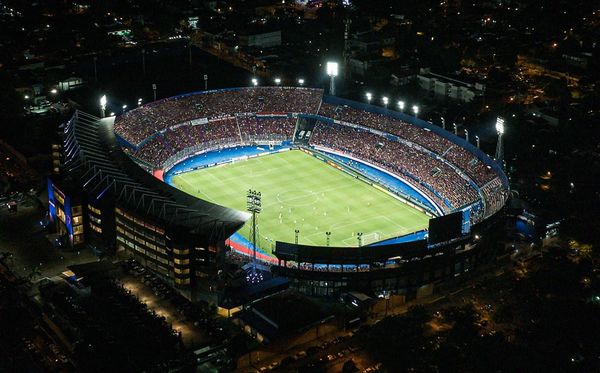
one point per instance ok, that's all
(51, 201)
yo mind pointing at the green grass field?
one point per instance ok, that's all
(302, 192)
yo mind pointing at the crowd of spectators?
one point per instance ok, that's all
(495, 194)
(231, 130)
(438, 180)
(478, 171)
(141, 123)
(457, 155)
(163, 145)
(254, 128)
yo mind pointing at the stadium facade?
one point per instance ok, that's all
(117, 167)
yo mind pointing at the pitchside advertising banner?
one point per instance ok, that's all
(304, 129)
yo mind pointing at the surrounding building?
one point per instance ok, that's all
(450, 87)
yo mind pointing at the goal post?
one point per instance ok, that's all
(371, 238)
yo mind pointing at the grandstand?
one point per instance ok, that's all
(446, 172)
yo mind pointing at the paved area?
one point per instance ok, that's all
(193, 336)
(32, 254)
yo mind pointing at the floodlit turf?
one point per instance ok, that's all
(302, 192)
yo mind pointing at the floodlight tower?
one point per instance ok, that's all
(254, 205)
(332, 71)
(369, 97)
(385, 101)
(347, 23)
(500, 145)
(103, 101)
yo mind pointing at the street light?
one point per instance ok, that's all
(385, 101)
(477, 140)
(332, 71)
(277, 81)
(415, 110)
(103, 101)
(254, 82)
(26, 97)
(401, 105)
(124, 107)
(139, 101)
(301, 81)
(455, 129)
(369, 97)
(467, 135)
(53, 91)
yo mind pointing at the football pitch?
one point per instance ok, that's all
(304, 193)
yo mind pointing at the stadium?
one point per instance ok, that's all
(353, 196)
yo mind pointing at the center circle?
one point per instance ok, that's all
(298, 198)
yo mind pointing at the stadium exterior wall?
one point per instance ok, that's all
(453, 261)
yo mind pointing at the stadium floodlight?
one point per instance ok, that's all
(301, 81)
(499, 145)
(112, 114)
(477, 140)
(254, 205)
(415, 110)
(332, 68)
(254, 82)
(467, 135)
(26, 97)
(277, 81)
(332, 71)
(53, 91)
(103, 102)
(401, 105)
(385, 101)
(139, 101)
(369, 97)
(124, 107)
(500, 126)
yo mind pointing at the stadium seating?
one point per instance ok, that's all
(254, 128)
(136, 125)
(463, 159)
(433, 164)
(438, 180)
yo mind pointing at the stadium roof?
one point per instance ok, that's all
(349, 255)
(91, 151)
